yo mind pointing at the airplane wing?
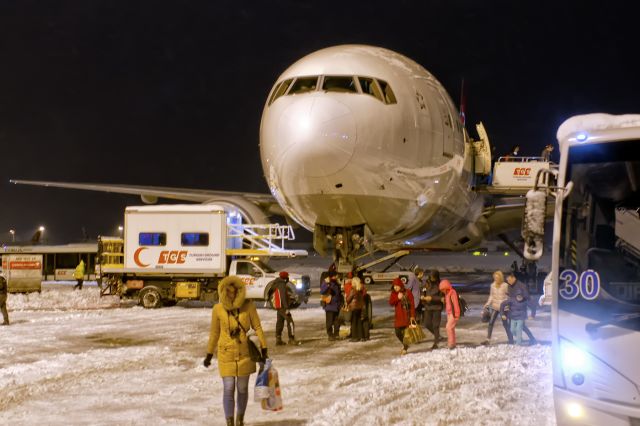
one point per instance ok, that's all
(150, 194)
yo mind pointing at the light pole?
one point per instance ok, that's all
(41, 229)
(13, 235)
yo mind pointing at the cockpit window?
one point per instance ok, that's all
(369, 87)
(280, 90)
(389, 97)
(304, 85)
(339, 84)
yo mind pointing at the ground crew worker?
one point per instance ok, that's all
(281, 304)
(78, 274)
(3, 299)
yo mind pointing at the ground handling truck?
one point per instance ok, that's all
(170, 253)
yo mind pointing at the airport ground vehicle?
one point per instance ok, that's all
(180, 252)
(594, 285)
(23, 272)
(59, 261)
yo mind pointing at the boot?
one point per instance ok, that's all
(240, 420)
(292, 341)
(279, 341)
(230, 421)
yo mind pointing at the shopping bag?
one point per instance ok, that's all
(345, 315)
(261, 390)
(274, 401)
(413, 334)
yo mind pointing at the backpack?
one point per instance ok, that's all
(464, 307)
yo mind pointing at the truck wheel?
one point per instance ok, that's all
(404, 279)
(368, 303)
(150, 298)
(368, 280)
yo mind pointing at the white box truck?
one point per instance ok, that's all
(177, 252)
(23, 272)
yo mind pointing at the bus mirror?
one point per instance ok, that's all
(533, 223)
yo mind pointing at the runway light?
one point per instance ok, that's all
(575, 410)
(581, 137)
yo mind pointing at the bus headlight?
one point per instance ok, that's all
(575, 410)
(297, 283)
(574, 359)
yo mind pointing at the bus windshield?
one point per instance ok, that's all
(600, 243)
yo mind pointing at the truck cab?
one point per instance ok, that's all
(259, 277)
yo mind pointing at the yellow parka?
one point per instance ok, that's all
(78, 274)
(233, 352)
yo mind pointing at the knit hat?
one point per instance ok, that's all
(284, 275)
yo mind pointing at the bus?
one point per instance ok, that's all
(595, 275)
(59, 261)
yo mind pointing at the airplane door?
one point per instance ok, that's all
(447, 125)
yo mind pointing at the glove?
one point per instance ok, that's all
(504, 317)
(264, 353)
(207, 360)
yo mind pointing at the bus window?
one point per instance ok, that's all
(194, 239)
(339, 84)
(152, 239)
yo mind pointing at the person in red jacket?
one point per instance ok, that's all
(405, 310)
(452, 307)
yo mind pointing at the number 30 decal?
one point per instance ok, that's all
(587, 284)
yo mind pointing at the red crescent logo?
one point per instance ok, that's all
(136, 257)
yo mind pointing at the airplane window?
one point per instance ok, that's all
(389, 96)
(369, 87)
(281, 90)
(303, 85)
(339, 84)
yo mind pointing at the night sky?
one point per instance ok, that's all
(170, 93)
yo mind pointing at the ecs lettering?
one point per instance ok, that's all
(173, 256)
(522, 171)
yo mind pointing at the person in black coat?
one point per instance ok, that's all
(280, 297)
(431, 299)
(3, 299)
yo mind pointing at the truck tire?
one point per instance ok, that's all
(368, 305)
(368, 280)
(404, 279)
(150, 298)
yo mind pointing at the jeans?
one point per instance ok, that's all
(516, 330)
(282, 317)
(505, 323)
(229, 384)
(431, 319)
(333, 323)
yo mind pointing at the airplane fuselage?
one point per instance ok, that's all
(359, 136)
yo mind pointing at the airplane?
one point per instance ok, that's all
(364, 147)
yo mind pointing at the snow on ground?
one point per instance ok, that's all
(70, 357)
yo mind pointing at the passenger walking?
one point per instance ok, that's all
(230, 321)
(332, 301)
(281, 296)
(431, 299)
(78, 274)
(546, 153)
(355, 301)
(405, 310)
(517, 304)
(452, 307)
(3, 299)
(413, 285)
(498, 293)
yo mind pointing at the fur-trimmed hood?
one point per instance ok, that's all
(235, 281)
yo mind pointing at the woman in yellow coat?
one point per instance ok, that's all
(230, 322)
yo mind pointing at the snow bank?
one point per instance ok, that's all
(62, 299)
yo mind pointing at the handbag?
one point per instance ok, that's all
(486, 315)
(255, 353)
(413, 334)
(345, 314)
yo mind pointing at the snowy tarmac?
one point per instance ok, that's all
(71, 357)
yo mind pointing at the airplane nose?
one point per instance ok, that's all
(318, 135)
